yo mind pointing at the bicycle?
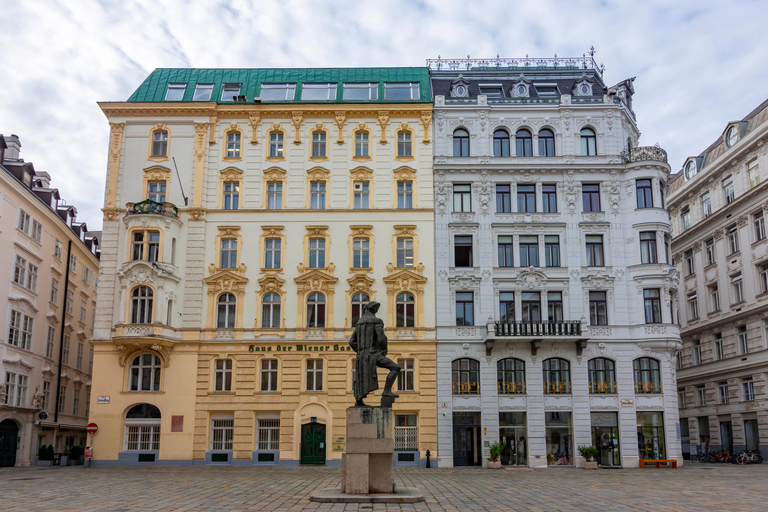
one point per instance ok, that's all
(749, 457)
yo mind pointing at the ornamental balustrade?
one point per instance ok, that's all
(511, 388)
(647, 387)
(522, 328)
(644, 154)
(553, 388)
(597, 388)
(519, 64)
(466, 388)
(407, 438)
(153, 208)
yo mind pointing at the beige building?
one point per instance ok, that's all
(249, 214)
(718, 207)
(47, 313)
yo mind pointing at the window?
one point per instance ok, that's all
(364, 92)
(465, 308)
(145, 245)
(228, 253)
(465, 376)
(222, 434)
(225, 315)
(318, 144)
(679, 360)
(588, 142)
(360, 253)
(557, 376)
(25, 273)
(145, 373)
(718, 346)
(37, 231)
(709, 246)
(460, 142)
(160, 143)
(317, 253)
(652, 305)
(274, 195)
(546, 143)
(733, 239)
(233, 144)
(714, 298)
(314, 374)
(681, 400)
(529, 251)
(268, 434)
(505, 251)
(404, 145)
(462, 250)
(602, 376)
(156, 191)
(405, 195)
(54, 298)
(555, 306)
(231, 195)
(20, 330)
(404, 252)
(175, 92)
(462, 197)
(503, 198)
(549, 197)
(507, 307)
(70, 302)
(523, 143)
(16, 389)
(405, 310)
(361, 144)
(706, 205)
(500, 143)
(737, 294)
(594, 250)
(24, 222)
(65, 349)
(359, 300)
(269, 374)
(648, 253)
(141, 305)
(758, 221)
(203, 92)
(722, 393)
(531, 306)
(510, 376)
(763, 277)
(278, 92)
(701, 396)
(83, 311)
(406, 377)
(598, 308)
(276, 144)
(590, 197)
(526, 198)
(223, 375)
(546, 91)
(316, 311)
(142, 428)
(76, 401)
(62, 398)
(318, 92)
(317, 195)
(753, 171)
(57, 248)
(647, 375)
(748, 387)
(361, 195)
(693, 306)
(401, 91)
(272, 253)
(741, 340)
(270, 311)
(686, 215)
(728, 190)
(230, 92)
(47, 395)
(406, 432)
(50, 341)
(644, 194)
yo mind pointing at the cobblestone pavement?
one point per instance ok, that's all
(696, 487)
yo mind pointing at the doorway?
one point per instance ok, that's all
(605, 437)
(726, 435)
(466, 439)
(9, 434)
(312, 443)
(512, 433)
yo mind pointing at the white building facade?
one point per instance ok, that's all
(553, 278)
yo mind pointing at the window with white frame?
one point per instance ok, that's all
(222, 433)
(406, 377)
(65, 349)
(318, 92)
(648, 252)
(278, 92)
(753, 171)
(231, 195)
(46, 395)
(686, 214)
(145, 373)
(226, 311)
(404, 195)
(233, 144)
(693, 306)
(203, 92)
(706, 205)
(748, 388)
(25, 273)
(737, 292)
(314, 369)
(361, 193)
(681, 400)
(70, 303)
(717, 346)
(79, 355)
(697, 352)
(57, 248)
(62, 398)
(268, 434)
(276, 144)
(401, 91)
(318, 144)
(228, 253)
(758, 221)
(25, 221)
(230, 92)
(406, 432)
(404, 144)
(272, 252)
(361, 144)
(223, 375)
(728, 190)
(741, 339)
(37, 231)
(714, 298)
(317, 195)
(679, 360)
(274, 195)
(360, 92)
(269, 374)
(76, 400)
(50, 340)
(722, 393)
(317, 253)
(709, 246)
(270, 311)
(142, 428)
(701, 394)
(462, 197)
(20, 330)
(142, 303)
(690, 264)
(361, 253)
(175, 92)
(404, 252)
(83, 311)
(765, 333)
(16, 389)
(763, 277)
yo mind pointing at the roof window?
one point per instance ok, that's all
(203, 92)
(492, 90)
(318, 92)
(175, 92)
(401, 91)
(278, 92)
(547, 90)
(362, 92)
(230, 92)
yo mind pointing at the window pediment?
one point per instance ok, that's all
(275, 174)
(142, 272)
(361, 283)
(318, 174)
(23, 304)
(315, 280)
(405, 173)
(531, 278)
(271, 284)
(231, 174)
(16, 361)
(157, 173)
(405, 280)
(226, 281)
(361, 173)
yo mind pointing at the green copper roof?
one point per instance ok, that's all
(156, 84)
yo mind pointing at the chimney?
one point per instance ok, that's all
(42, 179)
(14, 147)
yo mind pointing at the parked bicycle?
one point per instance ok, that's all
(749, 457)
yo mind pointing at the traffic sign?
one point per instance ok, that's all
(91, 428)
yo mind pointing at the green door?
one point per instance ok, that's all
(313, 443)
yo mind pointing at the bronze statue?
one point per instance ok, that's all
(370, 344)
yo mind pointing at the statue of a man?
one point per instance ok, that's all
(370, 343)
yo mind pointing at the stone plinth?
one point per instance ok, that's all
(366, 467)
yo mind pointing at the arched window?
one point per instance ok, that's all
(557, 376)
(318, 144)
(647, 375)
(466, 377)
(316, 310)
(270, 311)
(145, 373)
(523, 143)
(142, 428)
(500, 143)
(602, 375)
(404, 310)
(546, 142)
(141, 305)
(588, 142)
(511, 376)
(160, 143)
(359, 300)
(225, 318)
(460, 142)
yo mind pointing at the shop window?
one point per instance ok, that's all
(465, 377)
(650, 435)
(558, 430)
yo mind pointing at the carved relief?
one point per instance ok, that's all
(383, 120)
(254, 118)
(297, 118)
(426, 119)
(341, 118)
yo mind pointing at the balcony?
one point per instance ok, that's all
(534, 329)
(153, 208)
(644, 154)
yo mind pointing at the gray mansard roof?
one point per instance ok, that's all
(565, 81)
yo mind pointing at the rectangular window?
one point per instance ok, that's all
(360, 253)
(753, 171)
(317, 253)
(492, 90)
(175, 92)
(223, 375)
(507, 306)
(406, 432)
(276, 145)
(272, 253)
(652, 306)
(737, 293)
(268, 434)
(50, 341)
(728, 190)
(228, 256)
(763, 277)
(24, 222)
(709, 246)
(722, 393)
(741, 339)
(690, 264)
(733, 239)
(758, 221)
(278, 92)
(401, 91)
(57, 249)
(462, 197)
(503, 198)
(203, 92)
(697, 352)
(318, 92)
(681, 400)
(590, 195)
(706, 205)
(361, 144)
(404, 252)
(546, 91)
(701, 396)
(598, 308)
(16, 389)
(47, 395)
(62, 398)
(505, 251)
(555, 306)
(233, 145)
(230, 92)
(318, 144)
(404, 145)
(526, 198)
(37, 231)
(718, 346)
(314, 374)
(361, 195)
(406, 377)
(693, 307)
(549, 198)
(317, 195)
(686, 215)
(83, 311)
(79, 360)
(552, 250)
(156, 191)
(465, 308)
(360, 92)
(76, 401)
(529, 251)
(648, 253)
(644, 194)
(404, 195)
(594, 250)
(222, 434)
(231, 195)
(65, 350)
(274, 195)
(748, 388)
(20, 330)
(269, 374)
(714, 298)
(70, 302)
(20, 271)
(531, 306)
(462, 251)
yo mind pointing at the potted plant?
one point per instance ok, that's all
(496, 450)
(64, 460)
(42, 456)
(589, 453)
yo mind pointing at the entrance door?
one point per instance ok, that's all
(466, 439)
(605, 437)
(726, 435)
(313, 443)
(9, 434)
(514, 453)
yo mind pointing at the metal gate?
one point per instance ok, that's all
(9, 433)
(313, 443)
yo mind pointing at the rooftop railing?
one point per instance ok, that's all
(522, 328)
(519, 64)
(645, 154)
(152, 207)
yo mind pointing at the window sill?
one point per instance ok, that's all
(734, 254)
(740, 303)
(135, 392)
(404, 158)
(278, 270)
(361, 158)
(232, 158)
(713, 264)
(690, 275)
(158, 158)
(275, 158)
(360, 270)
(319, 158)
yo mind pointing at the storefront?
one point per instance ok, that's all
(559, 435)
(650, 435)
(605, 437)
(512, 433)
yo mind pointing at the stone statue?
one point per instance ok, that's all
(38, 399)
(370, 344)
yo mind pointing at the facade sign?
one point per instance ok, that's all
(339, 443)
(300, 347)
(627, 402)
(102, 400)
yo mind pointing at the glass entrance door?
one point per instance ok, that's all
(466, 439)
(605, 437)
(313, 443)
(512, 433)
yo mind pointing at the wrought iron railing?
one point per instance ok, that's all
(511, 388)
(647, 387)
(597, 388)
(522, 328)
(519, 64)
(554, 388)
(466, 388)
(152, 207)
(406, 438)
(644, 154)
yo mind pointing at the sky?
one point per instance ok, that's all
(698, 63)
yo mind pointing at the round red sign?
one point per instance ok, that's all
(91, 428)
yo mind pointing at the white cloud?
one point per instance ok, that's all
(698, 63)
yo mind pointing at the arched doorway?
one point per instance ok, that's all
(9, 434)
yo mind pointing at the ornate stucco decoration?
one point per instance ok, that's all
(161, 348)
(361, 174)
(464, 280)
(315, 280)
(270, 283)
(583, 87)
(231, 174)
(341, 118)
(275, 174)
(530, 278)
(297, 117)
(255, 119)
(598, 280)
(383, 120)
(23, 304)
(212, 121)
(361, 283)
(318, 174)
(521, 87)
(426, 119)
(460, 87)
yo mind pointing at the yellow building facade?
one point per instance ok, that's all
(249, 215)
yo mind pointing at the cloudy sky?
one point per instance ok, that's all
(698, 63)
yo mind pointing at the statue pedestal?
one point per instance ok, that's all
(366, 467)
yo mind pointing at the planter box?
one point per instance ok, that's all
(64, 460)
(494, 464)
(589, 465)
(45, 463)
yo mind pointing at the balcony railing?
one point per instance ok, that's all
(644, 154)
(522, 328)
(466, 388)
(406, 438)
(597, 388)
(647, 387)
(519, 64)
(511, 388)
(554, 388)
(152, 207)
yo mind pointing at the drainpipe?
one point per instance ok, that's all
(61, 337)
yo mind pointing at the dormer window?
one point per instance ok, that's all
(690, 169)
(492, 90)
(278, 92)
(318, 92)
(175, 92)
(547, 91)
(583, 87)
(732, 136)
(363, 92)
(460, 87)
(401, 91)
(460, 91)
(230, 92)
(584, 90)
(203, 92)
